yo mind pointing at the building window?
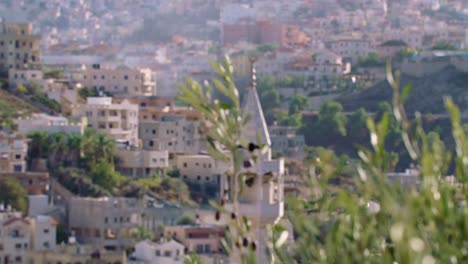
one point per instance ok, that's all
(167, 253)
(17, 168)
(154, 131)
(185, 164)
(46, 244)
(199, 249)
(207, 248)
(106, 220)
(207, 178)
(18, 246)
(46, 231)
(151, 143)
(126, 77)
(198, 177)
(158, 253)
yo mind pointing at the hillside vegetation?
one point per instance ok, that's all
(426, 96)
(12, 107)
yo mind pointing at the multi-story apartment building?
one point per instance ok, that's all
(13, 152)
(107, 222)
(118, 120)
(19, 47)
(175, 133)
(113, 223)
(285, 140)
(200, 168)
(24, 76)
(351, 48)
(120, 81)
(20, 235)
(139, 163)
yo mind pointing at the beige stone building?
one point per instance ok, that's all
(19, 47)
(200, 168)
(77, 254)
(120, 81)
(24, 76)
(175, 133)
(20, 235)
(140, 163)
(351, 47)
(105, 222)
(13, 152)
(118, 120)
(15, 238)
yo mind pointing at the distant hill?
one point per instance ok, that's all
(426, 95)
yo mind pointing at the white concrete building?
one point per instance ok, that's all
(118, 120)
(19, 47)
(165, 252)
(43, 232)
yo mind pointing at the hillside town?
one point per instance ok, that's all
(101, 162)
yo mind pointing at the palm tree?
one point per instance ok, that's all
(106, 148)
(88, 144)
(39, 144)
(58, 146)
(75, 147)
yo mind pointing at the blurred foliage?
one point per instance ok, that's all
(13, 194)
(368, 219)
(52, 73)
(86, 92)
(371, 60)
(186, 220)
(375, 221)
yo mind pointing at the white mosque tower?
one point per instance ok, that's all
(263, 201)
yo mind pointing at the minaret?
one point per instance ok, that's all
(252, 106)
(263, 200)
